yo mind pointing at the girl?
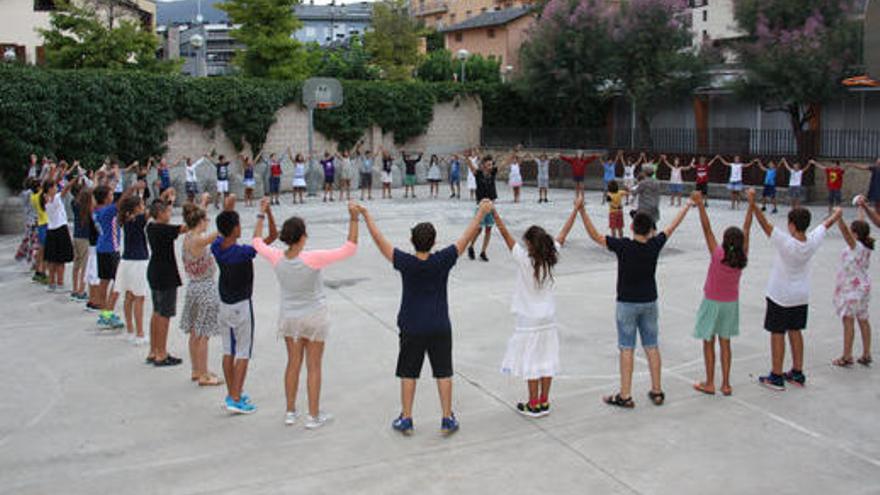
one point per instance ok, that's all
(409, 162)
(59, 248)
(365, 168)
(718, 315)
(164, 175)
(29, 243)
(131, 275)
(86, 206)
(303, 317)
(201, 302)
(141, 172)
(735, 181)
(543, 164)
(299, 177)
(614, 197)
(346, 173)
(329, 174)
(455, 177)
(81, 235)
(533, 349)
(387, 176)
(676, 183)
(42, 223)
(629, 172)
(874, 183)
(852, 292)
(248, 180)
(474, 158)
(434, 176)
(192, 179)
(514, 179)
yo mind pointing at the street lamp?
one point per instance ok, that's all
(462, 56)
(505, 74)
(9, 54)
(197, 41)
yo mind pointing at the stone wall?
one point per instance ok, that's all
(456, 126)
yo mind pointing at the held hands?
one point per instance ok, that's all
(750, 195)
(697, 198)
(264, 206)
(486, 206)
(354, 209)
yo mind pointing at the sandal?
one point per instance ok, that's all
(195, 377)
(702, 388)
(865, 361)
(657, 397)
(726, 391)
(210, 380)
(617, 400)
(843, 362)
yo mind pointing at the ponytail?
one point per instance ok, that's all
(734, 248)
(863, 233)
(542, 251)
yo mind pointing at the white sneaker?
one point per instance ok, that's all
(291, 417)
(130, 337)
(139, 341)
(313, 423)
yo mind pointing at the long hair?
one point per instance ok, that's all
(734, 248)
(542, 251)
(127, 207)
(193, 215)
(863, 233)
(84, 201)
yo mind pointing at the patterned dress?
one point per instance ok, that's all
(202, 300)
(852, 290)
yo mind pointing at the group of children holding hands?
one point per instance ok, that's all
(123, 244)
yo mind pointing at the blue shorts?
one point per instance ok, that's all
(638, 318)
(454, 178)
(488, 220)
(735, 186)
(676, 188)
(41, 233)
(274, 185)
(192, 188)
(769, 191)
(795, 192)
(835, 197)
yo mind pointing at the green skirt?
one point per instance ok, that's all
(719, 319)
(410, 180)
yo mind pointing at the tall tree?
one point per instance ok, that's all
(393, 41)
(80, 37)
(795, 54)
(266, 28)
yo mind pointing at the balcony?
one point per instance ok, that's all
(429, 8)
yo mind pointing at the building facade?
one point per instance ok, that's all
(444, 13)
(21, 19)
(497, 34)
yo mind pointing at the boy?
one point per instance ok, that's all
(107, 250)
(423, 319)
(647, 191)
(236, 314)
(636, 298)
(702, 179)
(833, 181)
(578, 164)
(769, 191)
(409, 161)
(485, 178)
(788, 289)
(222, 167)
(365, 162)
(163, 277)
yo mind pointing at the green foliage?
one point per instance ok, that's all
(393, 42)
(349, 62)
(78, 38)
(441, 66)
(434, 40)
(264, 28)
(478, 68)
(437, 66)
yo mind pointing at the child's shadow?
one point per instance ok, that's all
(343, 282)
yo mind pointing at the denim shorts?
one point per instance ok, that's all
(638, 318)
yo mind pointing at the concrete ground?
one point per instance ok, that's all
(83, 414)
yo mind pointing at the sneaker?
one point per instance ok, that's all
(240, 407)
(91, 308)
(290, 418)
(139, 341)
(403, 425)
(244, 398)
(795, 377)
(104, 322)
(74, 297)
(545, 408)
(116, 321)
(483, 257)
(449, 425)
(773, 382)
(763, 208)
(169, 361)
(775, 210)
(315, 422)
(471, 253)
(527, 409)
(50, 288)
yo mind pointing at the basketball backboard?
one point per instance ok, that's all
(871, 48)
(322, 93)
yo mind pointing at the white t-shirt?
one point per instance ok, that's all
(629, 172)
(56, 212)
(789, 283)
(736, 172)
(796, 178)
(529, 299)
(119, 182)
(675, 175)
(191, 175)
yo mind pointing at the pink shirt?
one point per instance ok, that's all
(722, 281)
(315, 260)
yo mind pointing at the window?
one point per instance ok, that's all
(44, 5)
(458, 37)
(467, 14)
(483, 10)
(705, 34)
(452, 18)
(705, 15)
(490, 33)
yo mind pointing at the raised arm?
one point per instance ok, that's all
(670, 229)
(569, 223)
(766, 226)
(785, 164)
(470, 232)
(258, 227)
(711, 242)
(872, 214)
(835, 216)
(381, 242)
(505, 234)
(818, 165)
(847, 234)
(591, 229)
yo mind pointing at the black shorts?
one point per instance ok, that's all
(366, 180)
(780, 319)
(59, 247)
(703, 188)
(107, 264)
(165, 302)
(438, 346)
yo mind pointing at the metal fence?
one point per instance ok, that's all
(847, 144)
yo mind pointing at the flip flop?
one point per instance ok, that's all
(212, 380)
(658, 398)
(702, 388)
(843, 362)
(727, 392)
(865, 361)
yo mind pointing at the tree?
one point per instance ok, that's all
(393, 41)
(78, 38)
(795, 54)
(350, 61)
(436, 67)
(440, 66)
(653, 61)
(266, 28)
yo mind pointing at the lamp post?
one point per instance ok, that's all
(198, 42)
(9, 54)
(505, 74)
(462, 57)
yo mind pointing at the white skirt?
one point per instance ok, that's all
(299, 182)
(471, 181)
(131, 276)
(533, 349)
(92, 268)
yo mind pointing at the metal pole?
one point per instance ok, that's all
(462, 72)
(312, 184)
(632, 127)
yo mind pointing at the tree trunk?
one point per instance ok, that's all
(644, 140)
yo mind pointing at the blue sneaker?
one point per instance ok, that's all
(403, 425)
(795, 377)
(773, 382)
(116, 321)
(240, 407)
(104, 322)
(244, 398)
(449, 425)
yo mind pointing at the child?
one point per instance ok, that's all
(410, 161)
(38, 205)
(543, 175)
(873, 183)
(769, 191)
(131, 275)
(852, 291)
(533, 349)
(629, 172)
(346, 174)
(434, 176)
(473, 158)
(578, 164)
(702, 177)
(222, 167)
(164, 174)
(609, 173)
(249, 182)
(514, 179)
(788, 290)
(676, 183)
(423, 319)
(614, 197)
(647, 191)
(303, 319)
(82, 231)
(735, 181)
(192, 179)
(795, 181)
(485, 177)
(59, 248)
(107, 255)
(387, 174)
(833, 182)
(163, 278)
(329, 167)
(455, 177)
(201, 303)
(29, 242)
(365, 182)
(636, 298)
(718, 315)
(236, 314)
(299, 177)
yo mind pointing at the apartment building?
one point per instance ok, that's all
(495, 33)
(444, 13)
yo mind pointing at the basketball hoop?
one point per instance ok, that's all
(323, 105)
(322, 93)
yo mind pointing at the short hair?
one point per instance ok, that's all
(642, 223)
(101, 193)
(292, 230)
(227, 221)
(800, 218)
(157, 207)
(423, 236)
(612, 186)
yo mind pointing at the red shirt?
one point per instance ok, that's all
(834, 178)
(275, 169)
(579, 165)
(702, 173)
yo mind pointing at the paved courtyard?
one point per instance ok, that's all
(82, 413)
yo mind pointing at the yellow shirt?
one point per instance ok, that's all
(615, 201)
(42, 217)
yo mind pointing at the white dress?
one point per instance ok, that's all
(299, 175)
(533, 349)
(434, 172)
(515, 177)
(629, 175)
(471, 179)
